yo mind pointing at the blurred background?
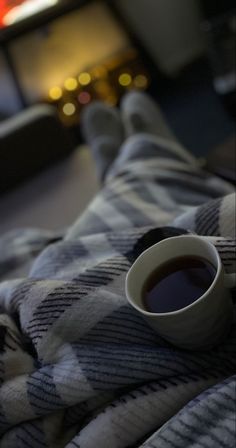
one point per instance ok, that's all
(56, 56)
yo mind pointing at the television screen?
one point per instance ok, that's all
(13, 11)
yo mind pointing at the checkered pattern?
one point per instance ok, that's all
(78, 366)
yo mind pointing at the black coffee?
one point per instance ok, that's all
(176, 284)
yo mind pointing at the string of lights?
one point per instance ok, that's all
(106, 82)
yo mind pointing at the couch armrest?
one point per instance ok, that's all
(29, 141)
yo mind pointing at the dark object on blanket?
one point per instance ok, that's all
(30, 141)
(222, 160)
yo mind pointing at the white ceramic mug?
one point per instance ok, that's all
(205, 322)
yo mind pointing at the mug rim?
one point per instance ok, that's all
(191, 305)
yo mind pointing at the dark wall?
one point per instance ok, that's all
(214, 8)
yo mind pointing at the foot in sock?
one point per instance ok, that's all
(140, 114)
(103, 130)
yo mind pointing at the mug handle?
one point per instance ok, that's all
(230, 279)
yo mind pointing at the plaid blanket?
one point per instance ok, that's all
(79, 368)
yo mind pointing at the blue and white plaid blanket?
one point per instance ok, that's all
(79, 368)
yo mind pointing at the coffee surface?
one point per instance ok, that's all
(176, 284)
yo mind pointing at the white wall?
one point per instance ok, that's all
(170, 29)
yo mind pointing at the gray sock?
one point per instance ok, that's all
(140, 114)
(103, 131)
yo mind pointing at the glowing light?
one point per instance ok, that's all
(70, 84)
(84, 78)
(84, 98)
(141, 81)
(69, 109)
(125, 79)
(26, 9)
(55, 93)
